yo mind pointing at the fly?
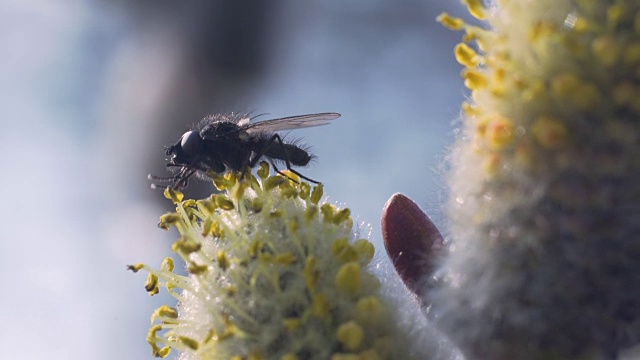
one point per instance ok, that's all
(224, 143)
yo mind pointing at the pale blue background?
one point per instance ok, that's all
(90, 92)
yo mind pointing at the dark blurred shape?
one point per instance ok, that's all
(239, 38)
(221, 37)
(223, 50)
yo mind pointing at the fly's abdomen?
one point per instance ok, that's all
(296, 155)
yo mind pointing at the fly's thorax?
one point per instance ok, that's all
(219, 129)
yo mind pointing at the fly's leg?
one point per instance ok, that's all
(180, 180)
(158, 180)
(184, 180)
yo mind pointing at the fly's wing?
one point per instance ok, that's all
(292, 122)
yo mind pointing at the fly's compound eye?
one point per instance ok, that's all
(190, 143)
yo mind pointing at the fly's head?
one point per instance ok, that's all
(186, 150)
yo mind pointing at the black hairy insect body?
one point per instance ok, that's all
(224, 143)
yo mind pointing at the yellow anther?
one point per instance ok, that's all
(342, 216)
(349, 278)
(294, 225)
(316, 194)
(576, 91)
(369, 354)
(223, 260)
(365, 250)
(223, 202)
(499, 133)
(311, 272)
(168, 220)
(631, 54)
(196, 269)
(255, 248)
(343, 251)
(135, 268)
(606, 50)
(162, 352)
(273, 181)
(321, 306)
(541, 30)
(327, 211)
(350, 334)
(211, 335)
(469, 109)
(384, 346)
(263, 171)
(186, 246)
(173, 195)
(165, 314)
(549, 132)
(292, 323)
(291, 176)
(167, 264)
(225, 181)
(152, 285)
(256, 205)
(286, 258)
(288, 191)
(581, 25)
(305, 190)
(474, 79)
(238, 191)
(615, 13)
(476, 8)
(534, 91)
(467, 56)
(370, 311)
(625, 93)
(189, 203)
(310, 213)
(472, 33)
(206, 227)
(189, 342)
(217, 230)
(231, 290)
(343, 356)
(152, 339)
(450, 22)
(152, 334)
(206, 206)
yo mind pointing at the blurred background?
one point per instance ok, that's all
(91, 91)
